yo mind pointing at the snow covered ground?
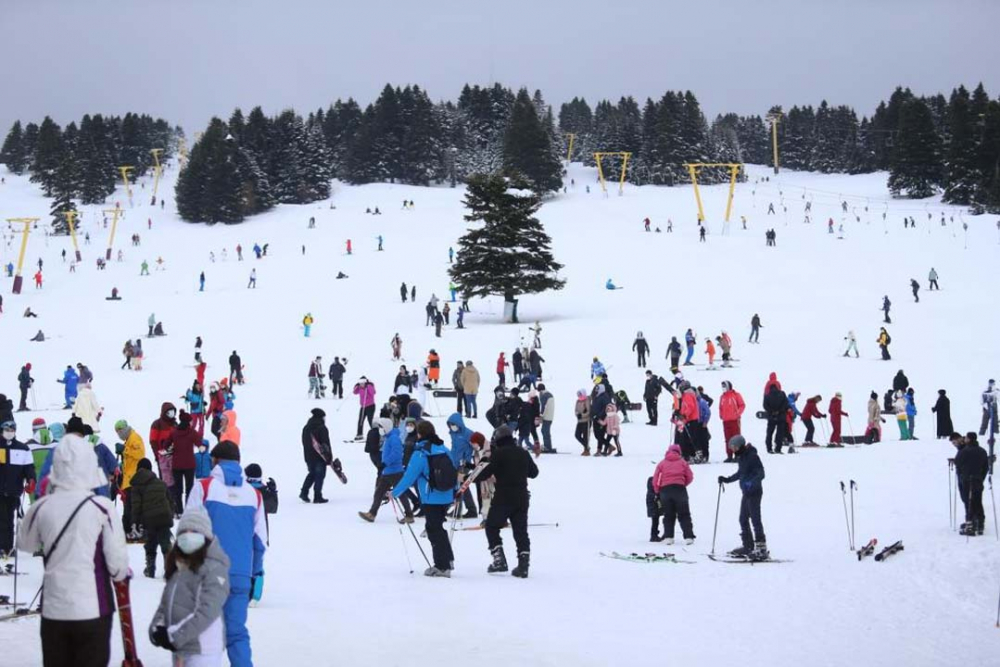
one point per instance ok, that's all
(338, 591)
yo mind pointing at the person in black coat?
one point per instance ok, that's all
(651, 395)
(535, 361)
(674, 352)
(517, 363)
(512, 408)
(653, 511)
(942, 408)
(402, 292)
(750, 475)
(337, 370)
(17, 476)
(315, 436)
(599, 402)
(900, 382)
(6, 409)
(641, 349)
(776, 407)
(972, 465)
(511, 467)
(235, 369)
(24, 382)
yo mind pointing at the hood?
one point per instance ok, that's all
(673, 453)
(384, 425)
(165, 408)
(74, 465)
(231, 416)
(611, 408)
(773, 377)
(229, 473)
(142, 476)
(456, 419)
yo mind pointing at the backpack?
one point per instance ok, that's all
(888, 338)
(269, 494)
(442, 476)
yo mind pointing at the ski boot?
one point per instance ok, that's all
(979, 527)
(499, 563)
(523, 561)
(150, 570)
(408, 518)
(741, 552)
(689, 541)
(434, 572)
(367, 516)
(760, 551)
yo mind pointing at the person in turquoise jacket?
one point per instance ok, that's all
(461, 456)
(70, 379)
(434, 503)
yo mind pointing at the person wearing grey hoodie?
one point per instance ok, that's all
(188, 622)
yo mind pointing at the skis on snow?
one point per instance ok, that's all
(647, 557)
(868, 549)
(741, 559)
(889, 550)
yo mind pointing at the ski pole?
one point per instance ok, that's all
(854, 485)
(993, 502)
(415, 539)
(843, 492)
(951, 517)
(401, 536)
(454, 520)
(822, 425)
(715, 529)
(998, 612)
(851, 427)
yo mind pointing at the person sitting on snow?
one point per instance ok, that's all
(609, 284)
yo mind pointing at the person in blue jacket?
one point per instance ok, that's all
(70, 379)
(461, 456)
(433, 502)
(202, 461)
(750, 475)
(609, 285)
(689, 341)
(911, 411)
(390, 473)
(597, 369)
(106, 461)
(237, 513)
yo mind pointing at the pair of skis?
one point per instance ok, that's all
(869, 549)
(647, 558)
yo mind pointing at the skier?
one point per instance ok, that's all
(670, 481)
(610, 285)
(886, 305)
(811, 412)
(990, 401)
(237, 515)
(434, 501)
(689, 341)
(972, 465)
(883, 342)
(461, 457)
(852, 344)
(365, 391)
(596, 369)
(253, 279)
(755, 327)
(24, 382)
(836, 413)
(397, 347)
(942, 408)
(750, 475)
(307, 323)
(434, 367)
(674, 352)
(77, 615)
(915, 286)
(932, 278)
(726, 343)
(731, 408)
(391, 470)
(402, 292)
(348, 246)
(511, 467)
(17, 476)
(776, 407)
(337, 370)
(701, 233)
(641, 348)
(70, 380)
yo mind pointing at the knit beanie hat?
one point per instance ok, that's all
(226, 451)
(195, 520)
(37, 424)
(253, 471)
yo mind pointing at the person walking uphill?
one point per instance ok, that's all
(365, 391)
(750, 475)
(431, 469)
(670, 481)
(84, 552)
(189, 621)
(237, 513)
(511, 467)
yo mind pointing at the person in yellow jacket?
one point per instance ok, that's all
(307, 323)
(131, 450)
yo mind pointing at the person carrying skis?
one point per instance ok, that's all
(689, 341)
(750, 475)
(670, 481)
(428, 475)
(755, 327)
(731, 408)
(81, 565)
(674, 352)
(812, 412)
(972, 465)
(510, 467)
(641, 348)
(852, 344)
(883, 343)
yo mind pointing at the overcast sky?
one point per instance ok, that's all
(187, 60)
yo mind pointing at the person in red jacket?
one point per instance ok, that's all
(771, 381)
(811, 412)
(160, 432)
(670, 481)
(184, 439)
(502, 370)
(731, 407)
(690, 426)
(836, 412)
(216, 406)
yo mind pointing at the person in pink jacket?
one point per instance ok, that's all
(612, 424)
(365, 391)
(670, 481)
(731, 407)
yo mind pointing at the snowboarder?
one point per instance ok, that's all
(942, 408)
(883, 342)
(932, 278)
(915, 286)
(886, 305)
(318, 453)
(750, 475)
(852, 344)
(670, 481)
(755, 327)
(511, 467)
(641, 348)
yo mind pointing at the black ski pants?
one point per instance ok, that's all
(76, 643)
(8, 508)
(777, 433)
(363, 414)
(675, 507)
(641, 358)
(600, 436)
(750, 514)
(582, 434)
(514, 510)
(157, 537)
(973, 490)
(653, 410)
(314, 479)
(183, 481)
(383, 485)
(810, 428)
(434, 518)
(460, 402)
(337, 389)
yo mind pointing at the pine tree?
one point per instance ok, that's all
(960, 168)
(510, 254)
(29, 142)
(214, 185)
(528, 148)
(916, 164)
(13, 154)
(48, 155)
(98, 174)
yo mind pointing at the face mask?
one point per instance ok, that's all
(171, 413)
(190, 542)
(409, 429)
(9, 435)
(454, 428)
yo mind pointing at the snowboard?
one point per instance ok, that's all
(647, 558)
(852, 439)
(125, 618)
(444, 393)
(338, 470)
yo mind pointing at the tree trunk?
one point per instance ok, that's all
(510, 307)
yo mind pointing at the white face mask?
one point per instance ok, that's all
(190, 542)
(9, 435)
(454, 428)
(410, 429)
(171, 413)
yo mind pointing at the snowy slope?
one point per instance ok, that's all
(338, 590)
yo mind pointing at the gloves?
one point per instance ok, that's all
(160, 637)
(29, 488)
(120, 448)
(722, 480)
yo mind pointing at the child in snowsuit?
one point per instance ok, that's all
(653, 511)
(612, 424)
(153, 510)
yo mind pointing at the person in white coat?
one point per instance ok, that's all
(84, 552)
(87, 408)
